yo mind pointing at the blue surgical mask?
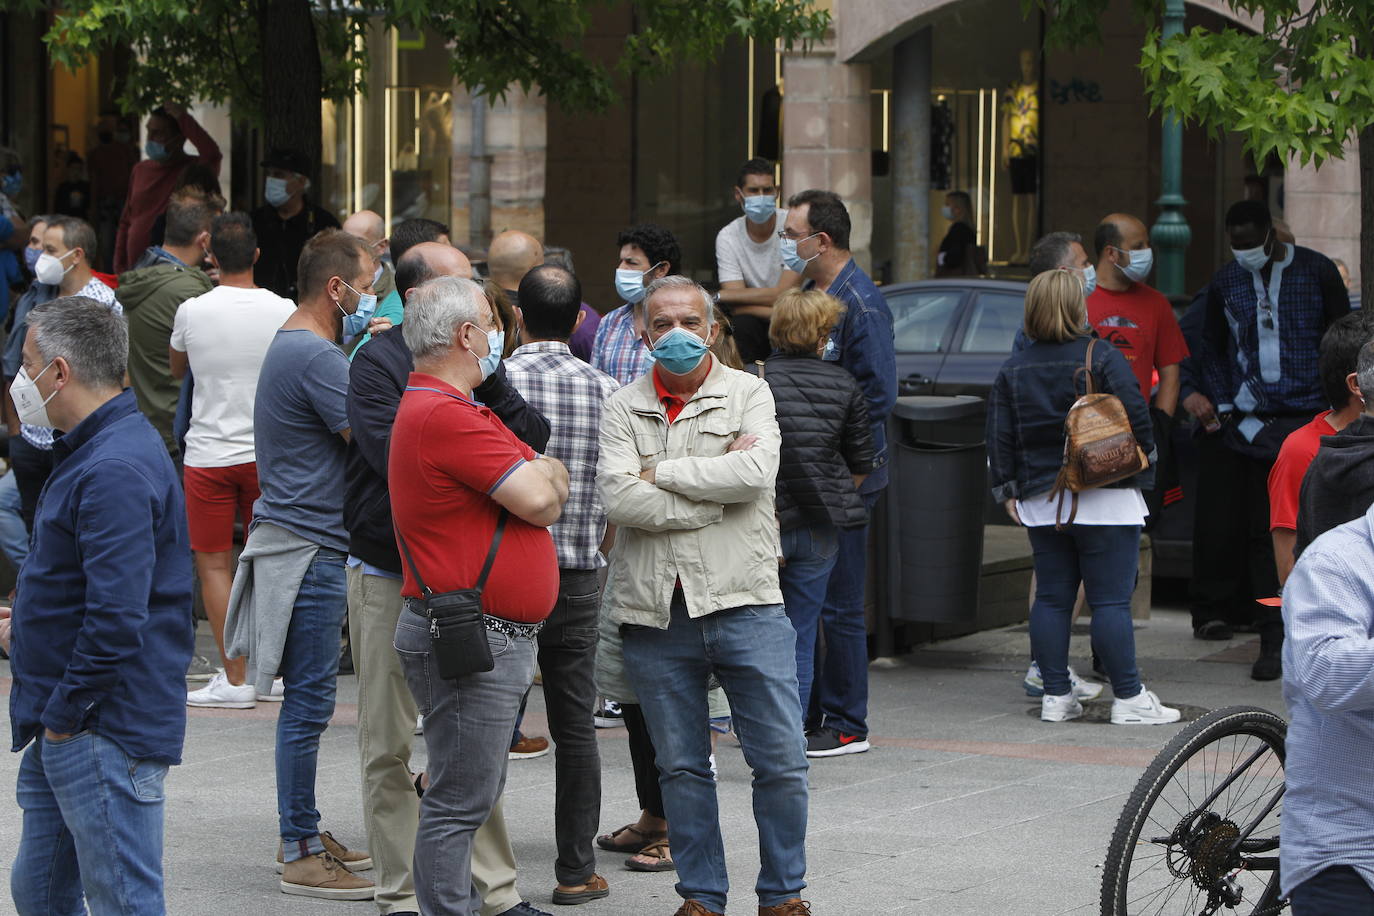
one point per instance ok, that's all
(355, 324)
(13, 184)
(1142, 262)
(793, 261)
(156, 151)
(274, 191)
(31, 256)
(1252, 259)
(629, 283)
(680, 351)
(947, 212)
(496, 342)
(760, 208)
(1089, 280)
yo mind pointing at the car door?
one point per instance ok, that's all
(982, 342)
(923, 322)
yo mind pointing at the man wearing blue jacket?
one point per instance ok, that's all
(102, 628)
(815, 244)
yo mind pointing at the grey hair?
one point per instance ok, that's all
(87, 334)
(435, 310)
(1052, 252)
(1364, 374)
(677, 281)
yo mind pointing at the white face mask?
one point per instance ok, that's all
(49, 270)
(30, 404)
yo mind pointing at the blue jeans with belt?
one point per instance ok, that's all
(752, 652)
(93, 820)
(309, 672)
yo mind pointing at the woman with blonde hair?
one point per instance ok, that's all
(827, 449)
(1099, 544)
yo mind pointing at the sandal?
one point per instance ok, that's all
(658, 851)
(607, 841)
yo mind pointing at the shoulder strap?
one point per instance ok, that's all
(1088, 366)
(486, 567)
(759, 363)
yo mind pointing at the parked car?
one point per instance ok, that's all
(953, 335)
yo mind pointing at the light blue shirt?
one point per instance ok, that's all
(370, 570)
(1328, 684)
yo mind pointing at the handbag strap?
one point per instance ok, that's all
(1088, 366)
(486, 567)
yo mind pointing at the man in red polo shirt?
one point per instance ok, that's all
(456, 473)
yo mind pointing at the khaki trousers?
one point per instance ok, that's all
(386, 726)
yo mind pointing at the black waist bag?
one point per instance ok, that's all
(457, 632)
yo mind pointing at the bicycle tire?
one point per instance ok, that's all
(1213, 727)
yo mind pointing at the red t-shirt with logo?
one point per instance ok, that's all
(1285, 477)
(448, 455)
(1141, 324)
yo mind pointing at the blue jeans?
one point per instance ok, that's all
(14, 536)
(468, 723)
(1104, 558)
(309, 671)
(752, 652)
(840, 698)
(93, 826)
(810, 552)
(1338, 889)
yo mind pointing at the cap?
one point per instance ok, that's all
(289, 159)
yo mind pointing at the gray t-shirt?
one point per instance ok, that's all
(738, 257)
(298, 413)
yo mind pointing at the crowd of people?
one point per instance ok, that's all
(663, 510)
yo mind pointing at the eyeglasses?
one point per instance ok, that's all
(792, 238)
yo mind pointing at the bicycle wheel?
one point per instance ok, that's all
(1200, 832)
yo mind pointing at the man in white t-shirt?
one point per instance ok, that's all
(748, 260)
(222, 336)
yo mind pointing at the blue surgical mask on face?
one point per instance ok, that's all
(13, 184)
(1142, 262)
(156, 151)
(759, 208)
(793, 261)
(629, 283)
(1089, 280)
(496, 342)
(680, 351)
(31, 256)
(274, 191)
(355, 324)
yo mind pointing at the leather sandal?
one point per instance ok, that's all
(607, 841)
(658, 852)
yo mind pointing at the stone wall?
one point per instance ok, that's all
(517, 134)
(1322, 207)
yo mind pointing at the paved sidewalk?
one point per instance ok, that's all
(967, 804)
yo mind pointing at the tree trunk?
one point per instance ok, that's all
(1367, 217)
(292, 80)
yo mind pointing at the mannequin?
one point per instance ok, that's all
(1021, 151)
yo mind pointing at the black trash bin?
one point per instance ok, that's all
(934, 513)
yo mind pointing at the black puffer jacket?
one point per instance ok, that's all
(825, 439)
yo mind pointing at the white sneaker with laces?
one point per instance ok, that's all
(220, 694)
(275, 695)
(1143, 709)
(1060, 709)
(1034, 685)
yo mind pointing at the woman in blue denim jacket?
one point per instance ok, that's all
(1030, 398)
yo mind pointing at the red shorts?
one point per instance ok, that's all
(213, 496)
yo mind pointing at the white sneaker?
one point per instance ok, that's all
(419, 725)
(274, 695)
(1060, 709)
(1143, 709)
(1035, 686)
(715, 772)
(220, 694)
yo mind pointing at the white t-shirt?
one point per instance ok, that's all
(225, 334)
(1102, 506)
(738, 257)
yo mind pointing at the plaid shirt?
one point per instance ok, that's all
(571, 395)
(618, 351)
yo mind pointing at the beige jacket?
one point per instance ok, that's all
(708, 518)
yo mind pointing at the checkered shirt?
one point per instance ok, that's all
(42, 436)
(571, 394)
(618, 351)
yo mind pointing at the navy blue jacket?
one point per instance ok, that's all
(102, 625)
(1030, 398)
(862, 342)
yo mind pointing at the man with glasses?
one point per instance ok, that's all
(1265, 314)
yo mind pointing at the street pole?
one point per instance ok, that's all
(1171, 234)
(479, 175)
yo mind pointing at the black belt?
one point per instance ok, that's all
(496, 624)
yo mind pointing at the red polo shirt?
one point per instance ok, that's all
(448, 455)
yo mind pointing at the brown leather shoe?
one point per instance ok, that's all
(594, 889)
(351, 860)
(324, 876)
(692, 908)
(794, 907)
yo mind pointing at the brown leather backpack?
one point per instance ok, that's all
(1099, 445)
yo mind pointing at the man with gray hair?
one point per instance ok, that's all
(102, 627)
(1063, 251)
(688, 462)
(455, 467)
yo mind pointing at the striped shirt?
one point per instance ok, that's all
(571, 394)
(1328, 685)
(619, 350)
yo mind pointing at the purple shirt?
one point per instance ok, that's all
(583, 338)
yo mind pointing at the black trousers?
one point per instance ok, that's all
(1233, 554)
(32, 467)
(644, 760)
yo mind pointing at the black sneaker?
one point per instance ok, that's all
(608, 715)
(827, 742)
(1268, 667)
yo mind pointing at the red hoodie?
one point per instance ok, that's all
(151, 186)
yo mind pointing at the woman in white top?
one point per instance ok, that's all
(1030, 398)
